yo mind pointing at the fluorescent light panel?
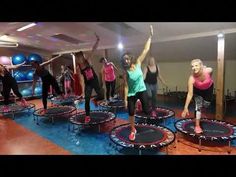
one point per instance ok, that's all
(26, 27)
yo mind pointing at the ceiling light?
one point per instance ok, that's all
(120, 46)
(26, 27)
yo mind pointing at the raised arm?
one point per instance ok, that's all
(49, 61)
(95, 46)
(14, 66)
(125, 90)
(146, 47)
(189, 97)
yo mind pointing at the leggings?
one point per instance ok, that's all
(152, 94)
(110, 86)
(142, 96)
(7, 89)
(47, 81)
(94, 84)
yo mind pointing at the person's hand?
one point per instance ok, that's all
(126, 104)
(151, 30)
(185, 112)
(97, 36)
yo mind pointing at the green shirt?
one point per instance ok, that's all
(135, 81)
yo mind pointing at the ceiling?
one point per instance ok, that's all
(171, 41)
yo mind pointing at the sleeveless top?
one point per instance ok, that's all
(203, 85)
(151, 77)
(109, 72)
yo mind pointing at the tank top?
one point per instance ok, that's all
(203, 85)
(109, 72)
(151, 77)
(7, 77)
(135, 81)
(88, 73)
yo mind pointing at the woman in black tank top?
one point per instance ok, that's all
(8, 83)
(47, 80)
(151, 75)
(90, 78)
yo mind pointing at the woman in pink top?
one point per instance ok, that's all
(108, 77)
(200, 85)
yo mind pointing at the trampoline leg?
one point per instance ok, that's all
(140, 152)
(200, 145)
(37, 120)
(99, 128)
(13, 116)
(229, 147)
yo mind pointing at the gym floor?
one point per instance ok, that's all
(23, 136)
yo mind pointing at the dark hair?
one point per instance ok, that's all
(35, 62)
(130, 57)
(102, 59)
(80, 53)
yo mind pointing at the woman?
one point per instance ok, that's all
(200, 85)
(90, 78)
(151, 73)
(108, 77)
(47, 80)
(134, 84)
(66, 78)
(8, 83)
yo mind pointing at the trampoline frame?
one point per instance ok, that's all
(61, 103)
(200, 137)
(52, 116)
(118, 142)
(12, 113)
(81, 125)
(114, 109)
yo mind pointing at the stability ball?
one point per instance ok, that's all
(38, 90)
(5, 60)
(18, 59)
(26, 92)
(29, 74)
(34, 57)
(19, 75)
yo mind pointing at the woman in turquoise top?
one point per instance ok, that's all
(134, 83)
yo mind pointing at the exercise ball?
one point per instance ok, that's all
(34, 57)
(19, 75)
(38, 90)
(29, 74)
(5, 60)
(26, 92)
(18, 59)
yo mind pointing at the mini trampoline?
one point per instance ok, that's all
(147, 137)
(54, 112)
(16, 108)
(161, 112)
(115, 105)
(213, 130)
(97, 118)
(65, 101)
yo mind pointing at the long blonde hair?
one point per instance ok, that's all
(197, 60)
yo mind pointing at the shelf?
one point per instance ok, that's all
(27, 81)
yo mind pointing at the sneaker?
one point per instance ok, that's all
(198, 129)
(87, 119)
(132, 135)
(42, 112)
(153, 114)
(24, 102)
(5, 109)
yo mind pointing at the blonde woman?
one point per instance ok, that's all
(200, 85)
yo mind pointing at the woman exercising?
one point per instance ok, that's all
(66, 79)
(90, 78)
(200, 85)
(47, 80)
(8, 83)
(134, 83)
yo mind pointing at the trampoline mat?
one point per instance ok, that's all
(60, 110)
(69, 99)
(97, 117)
(161, 113)
(147, 136)
(211, 128)
(115, 103)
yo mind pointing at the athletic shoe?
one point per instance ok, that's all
(24, 102)
(153, 114)
(198, 129)
(87, 119)
(132, 135)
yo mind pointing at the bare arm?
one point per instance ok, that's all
(103, 77)
(189, 97)
(146, 47)
(114, 66)
(49, 61)
(125, 90)
(95, 46)
(15, 66)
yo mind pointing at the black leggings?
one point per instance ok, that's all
(7, 89)
(142, 96)
(110, 86)
(88, 92)
(47, 81)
